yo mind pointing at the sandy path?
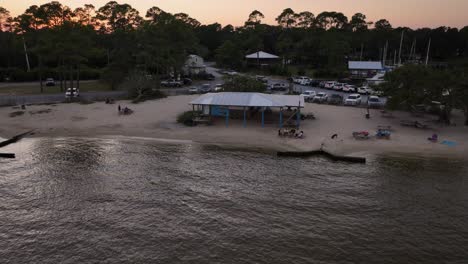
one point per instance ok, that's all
(156, 119)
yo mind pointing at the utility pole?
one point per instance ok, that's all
(26, 54)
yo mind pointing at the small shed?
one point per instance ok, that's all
(222, 104)
(364, 69)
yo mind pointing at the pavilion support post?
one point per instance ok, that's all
(245, 117)
(281, 118)
(227, 117)
(298, 117)
(263, 117)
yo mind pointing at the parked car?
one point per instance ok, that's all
(376, 93)
(171, 83)
(374, 102)
(261, 78)
(308, 95)
(187, 81)
(50, 82)
(322, 84)
(194, 90)
(364, 90)
(278, 87)
(206, 88)
(302, 80)
(314, 83)
(353, 99)
(231, 73)
(218, 88)
(72, 92)
(209, 77)
(335, 99)
(349, 88)
(320, 97)
(330, 85)
(339, 86)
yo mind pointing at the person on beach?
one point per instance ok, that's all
(300, 134)
(119, 108)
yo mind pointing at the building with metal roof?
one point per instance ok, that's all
(222, 104)
(365, 65)
(364, 69)
(261, 55)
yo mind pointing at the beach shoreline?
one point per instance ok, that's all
(157, 119)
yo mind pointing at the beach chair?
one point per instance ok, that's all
(383, 134)
(384, 127)
(361, 135)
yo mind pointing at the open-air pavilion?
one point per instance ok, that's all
(261, 58)
(250, 106)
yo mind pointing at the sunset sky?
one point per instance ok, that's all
(412, 13)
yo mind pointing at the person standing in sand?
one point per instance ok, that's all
(119, 108)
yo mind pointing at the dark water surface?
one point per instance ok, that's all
(141, 201)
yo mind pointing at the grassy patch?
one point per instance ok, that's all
(28, 88)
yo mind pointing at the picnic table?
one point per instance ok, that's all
(415, 124)
(386, 114)
(201, 120)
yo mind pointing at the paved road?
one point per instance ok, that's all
(22, 84)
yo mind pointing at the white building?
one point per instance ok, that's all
(194, 65)
(364, 69)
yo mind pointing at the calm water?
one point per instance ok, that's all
(141, 201)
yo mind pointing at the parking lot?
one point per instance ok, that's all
(301, 88)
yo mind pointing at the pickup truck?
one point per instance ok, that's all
(172, 83)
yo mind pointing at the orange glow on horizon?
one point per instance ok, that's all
(411, 13)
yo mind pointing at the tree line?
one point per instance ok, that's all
(111, 41)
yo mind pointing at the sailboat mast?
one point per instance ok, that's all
(428, 50)
(401, 46)
(26, 54)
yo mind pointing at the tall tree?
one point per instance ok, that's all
(114, 16)
(187, 19)
(287, 18)
(53, 14)
(5, 19)
(85, 15)
(255, 18)
(383, 25)
(358, 22)
(332, 20)
(305, 19)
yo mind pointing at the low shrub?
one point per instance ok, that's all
(186, 118)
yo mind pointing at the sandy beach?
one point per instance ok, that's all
(157, 119)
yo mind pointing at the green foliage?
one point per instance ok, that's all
(186, 118)
(141, 88)
(243, 84)
(229, 55)
(414, 85)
